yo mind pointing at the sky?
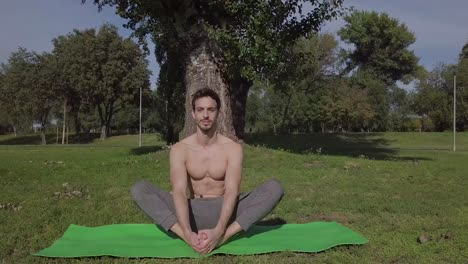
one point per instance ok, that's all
(441, 27)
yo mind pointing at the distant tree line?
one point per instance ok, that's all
(91, 80)
(322, 87)
(329, 89)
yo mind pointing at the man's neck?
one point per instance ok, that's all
(207, 138)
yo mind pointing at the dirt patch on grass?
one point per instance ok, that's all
(69, 192)
(313, 164)
(351, 166)
(12, 207)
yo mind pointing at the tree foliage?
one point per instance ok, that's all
(432, 99)
(381, 46)
(44, 89)
(462, 88)
(93, 73)
(15, 91)
(242, 40)
(251, 34)
(105, 70)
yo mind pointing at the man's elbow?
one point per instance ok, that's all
(179, 193)
(231, 192)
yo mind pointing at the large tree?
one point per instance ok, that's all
(378, 94)
(105, 70)
(344, 108)
(380, 46)
(462, 89)
(400, 111)
(288, 101)
(44, 89)
(4, 124)
(15, 92)
(313, 62)
(433, 97)
(73, 74)
(169, 101)
(224, 44)
(379, 57)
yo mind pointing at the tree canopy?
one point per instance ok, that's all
(224, 45)
(90, 72)
(380, 46)
(250, 34)
(105, 70)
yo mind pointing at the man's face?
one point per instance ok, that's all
(205, 113)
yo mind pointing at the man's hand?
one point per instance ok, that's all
(194, 240)
(210, 239)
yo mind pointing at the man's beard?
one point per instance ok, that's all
(211, 126)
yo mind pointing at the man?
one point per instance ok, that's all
(208, 165)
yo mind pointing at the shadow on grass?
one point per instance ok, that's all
(35, 139)
(368, 145)
(271, 222)
(26, 140)
(145, 150)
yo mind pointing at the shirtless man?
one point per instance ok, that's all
(208, 166)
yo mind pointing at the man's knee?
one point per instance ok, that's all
(274, 187)
(138, 189)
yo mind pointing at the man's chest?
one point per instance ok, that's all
(203, 163)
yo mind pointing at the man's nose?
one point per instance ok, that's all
(205, 113)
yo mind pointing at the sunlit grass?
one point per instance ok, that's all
(390, 197)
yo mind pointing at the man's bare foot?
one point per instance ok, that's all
(233, 229)
(192, 238)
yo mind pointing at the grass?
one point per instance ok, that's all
(390, 187)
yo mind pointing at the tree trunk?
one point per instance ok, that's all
(103, 132)
(202, 70)
(171, 136)
(43, 138)
(239, 89)
(14, 130)
(77, 122)
(64, 120)
(106, 118)
(285, 113)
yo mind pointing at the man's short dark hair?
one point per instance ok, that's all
(206, 92)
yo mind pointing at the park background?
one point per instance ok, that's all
(355, 120)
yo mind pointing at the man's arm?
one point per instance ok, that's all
(231, 185)
(178, 173)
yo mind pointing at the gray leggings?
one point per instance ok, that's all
(204, 212)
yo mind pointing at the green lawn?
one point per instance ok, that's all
(390, 187)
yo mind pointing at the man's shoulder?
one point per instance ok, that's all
(230, 145)
(184, 142)
(178, 149)
(190, 140)
(222, 139)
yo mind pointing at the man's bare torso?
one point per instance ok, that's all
(206, 166)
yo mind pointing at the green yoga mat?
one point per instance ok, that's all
(147, 240)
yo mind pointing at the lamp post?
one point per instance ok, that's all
(139, 136)
(454, 111)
